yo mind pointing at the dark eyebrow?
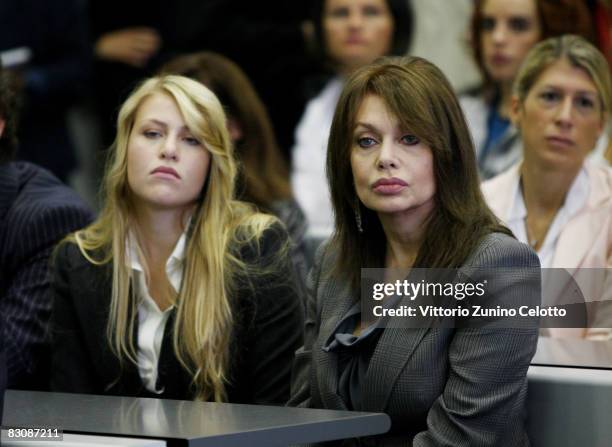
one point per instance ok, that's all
(581, 92)
(370, 127)
(520, 17)
(375, 130)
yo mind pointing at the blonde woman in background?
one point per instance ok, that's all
(501, 34)
(555, 199)
(177, 290)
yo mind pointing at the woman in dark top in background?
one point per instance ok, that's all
(405, 191)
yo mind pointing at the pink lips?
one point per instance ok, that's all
(500, 59)
(354, 40)
(389, 186)
(560, 141)
(164, 171)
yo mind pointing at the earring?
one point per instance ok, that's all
(358, 218)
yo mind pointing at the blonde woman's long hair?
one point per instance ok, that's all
(219, 227)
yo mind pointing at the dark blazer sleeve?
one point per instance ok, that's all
(275, 329)
(484, 397)
(2, 373)
(302, 363)
(72, 368)
(26, 304)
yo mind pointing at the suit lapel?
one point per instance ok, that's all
(9, 185)
(174, 379)
(337, 299)
(98, 295)
(392, 352)
(499, 192)
(390, 356)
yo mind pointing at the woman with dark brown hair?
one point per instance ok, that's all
(502, 33)
(406, 195)
(264, 176)
(348, 34)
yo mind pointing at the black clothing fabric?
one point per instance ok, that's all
(354, 353)
(55, 77)
(2, 372)
(264, 38)
(267, 312)
(36, 212)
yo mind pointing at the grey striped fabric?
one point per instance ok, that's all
(441, 387)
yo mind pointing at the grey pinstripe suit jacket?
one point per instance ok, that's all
(441, 387)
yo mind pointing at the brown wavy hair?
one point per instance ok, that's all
(422, 99)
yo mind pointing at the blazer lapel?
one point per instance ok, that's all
(337, 299)
(499, 192)
(9, 185)
(392, 352)
(116, 379)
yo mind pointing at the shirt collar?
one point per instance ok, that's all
(575, 199)
(174, 264)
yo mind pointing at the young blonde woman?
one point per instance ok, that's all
(264, 179)
(177, 290)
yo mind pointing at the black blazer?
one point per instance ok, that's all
(268, 317)
(440, 386)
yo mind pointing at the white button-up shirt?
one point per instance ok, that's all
(308, 178)
(151, 320)
(575, 199)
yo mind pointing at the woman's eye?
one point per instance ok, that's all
(519, 24)
(366, 142)
(371, 11)
(549, 96)
(192, 141)
(151, 134)
(339, 13)
(410, 140)
(585, 103)
(487, 24)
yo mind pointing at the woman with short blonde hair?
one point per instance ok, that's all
(556, 199)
